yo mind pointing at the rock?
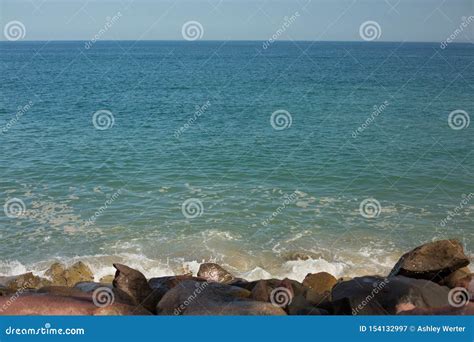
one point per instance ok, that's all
(205, 298)
(52, 305)
(321, 282)
(214, 272)
(90, 286)
(64, 291)
(301, 306)
(23, 282)
(444, 311)
(164, 284)
(261, 291)
(377, 295)
(432, 261)
(108, 279)
(60, 275)
(131, 286)
(317, 298)
(56, 274)
(458, 278)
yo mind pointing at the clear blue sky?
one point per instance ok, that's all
(399, 20)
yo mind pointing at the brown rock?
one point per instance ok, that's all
(320, 282)
(23, 282)
(90, 286)
(432, 261)
(60, 275)
(131, 286)
(214, 272)
(261, 291)
(108, 279)
(458, 278)
(207, 298)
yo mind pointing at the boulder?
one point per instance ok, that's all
(432, 261)
(90, 286)
(164, 284)
(207, 298)
(214, 272)
(23, 282)
(52, 305)
(467, 310)
(458, 278)
(374, 295)
(108, 279)
(60, 275)
(131, 286)
(320, 282)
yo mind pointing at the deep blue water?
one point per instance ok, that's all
(193, 121)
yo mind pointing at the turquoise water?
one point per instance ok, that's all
(192, 122)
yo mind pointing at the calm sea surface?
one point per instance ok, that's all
(191, 123)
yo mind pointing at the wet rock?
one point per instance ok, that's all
(377, 296)
(47, 304)
(432, 261)
(214, 272)
(204, 298)
(164, 284)
(60, 275)
(23, 282)
(108, 279)
(64, 291)
(90, 286)
(458, 278)
(261, 291)
(131, 286)
(321, 282)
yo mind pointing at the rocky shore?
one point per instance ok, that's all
(431, 279)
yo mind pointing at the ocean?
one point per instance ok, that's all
(272, 161)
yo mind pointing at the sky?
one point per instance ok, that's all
(314, 20)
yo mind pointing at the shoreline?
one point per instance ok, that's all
(434, 276)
